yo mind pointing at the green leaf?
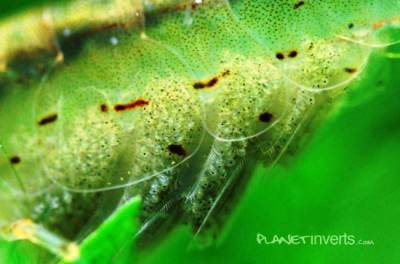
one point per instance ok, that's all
(114, 239)
(23, 252)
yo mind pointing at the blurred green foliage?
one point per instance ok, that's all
(113, 240)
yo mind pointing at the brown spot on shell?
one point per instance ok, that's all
(350, 70)
(48, 119)
(265, 117)
(177, 149)
(212, 82)
(280, 56)
(15, 160)
(299, 4)
(104, 108)
(293, 54)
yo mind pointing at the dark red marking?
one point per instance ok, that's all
(15, 160)
(104, 108)
(210, 83)
(265, 117)
(177, 149)
(48, 119)
(299, 4)
(293, 54)
(350, 70)
(280, 56)
(132, 105)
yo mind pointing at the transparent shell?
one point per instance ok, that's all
(174, 101)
